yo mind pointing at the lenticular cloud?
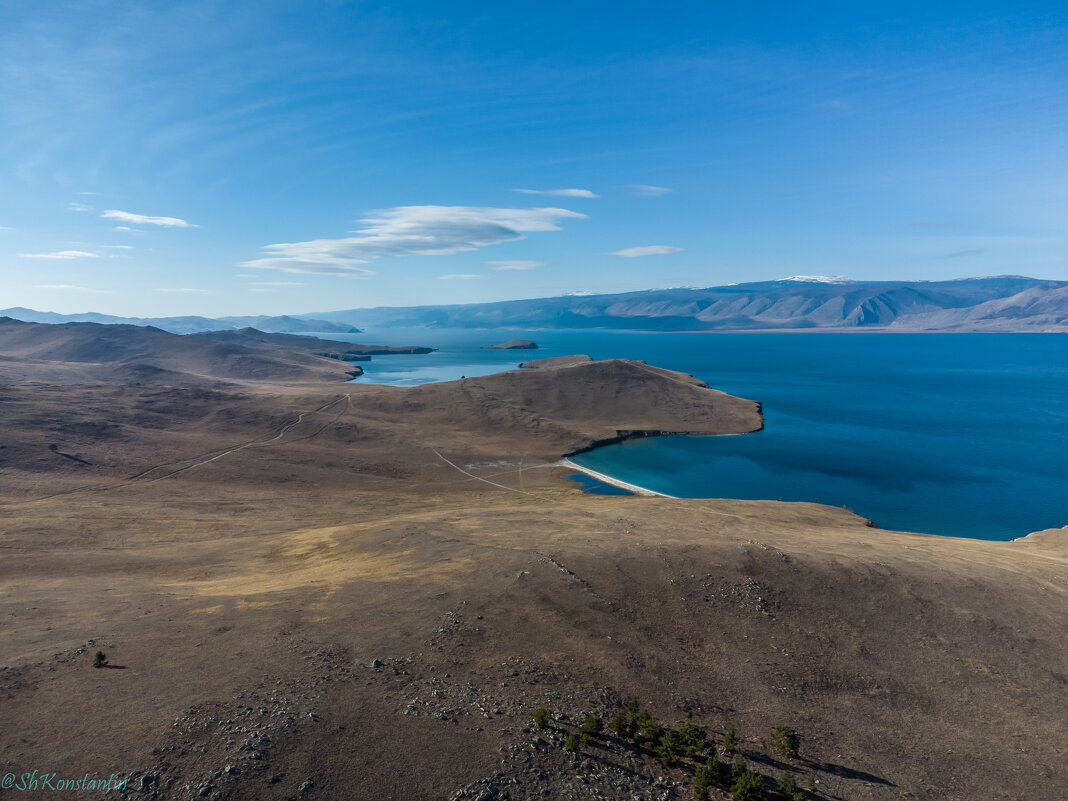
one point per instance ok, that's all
(408, 231)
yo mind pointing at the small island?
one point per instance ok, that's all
(513, 344)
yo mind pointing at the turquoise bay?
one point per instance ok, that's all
(953, 434)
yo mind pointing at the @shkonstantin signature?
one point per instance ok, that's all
(44, 780)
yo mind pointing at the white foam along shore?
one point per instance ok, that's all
(615, 482)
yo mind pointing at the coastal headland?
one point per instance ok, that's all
(312, 589)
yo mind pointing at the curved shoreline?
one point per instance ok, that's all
(615, 482)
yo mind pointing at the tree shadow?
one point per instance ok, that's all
(73, 458)
(843, 772)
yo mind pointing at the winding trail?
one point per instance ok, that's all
(211, 456)
(479, 478)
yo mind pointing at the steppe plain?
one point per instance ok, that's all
(313, 589)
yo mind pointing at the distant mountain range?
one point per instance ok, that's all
(190, 324)
(1002, 303)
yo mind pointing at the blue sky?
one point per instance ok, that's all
(271, 157)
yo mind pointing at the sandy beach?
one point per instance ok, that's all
(615, 482)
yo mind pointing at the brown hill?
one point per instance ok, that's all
(366, 593)
(555, 361)
(95, 353)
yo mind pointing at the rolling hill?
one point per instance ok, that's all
(81, 353)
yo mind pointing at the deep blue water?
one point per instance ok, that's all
(954, 434)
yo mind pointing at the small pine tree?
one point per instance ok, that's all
(730, 741)
(620, 724)
(592, 727)
(717, 769)
(669, 747)
(738, 768)
(542, 717)
(789, 789)
(786, 741)
(702, 780)
(634, 707)
(694, 739)
(648, 730)
(100, 659)
(571, 743)
(812, 782)
(748, 786)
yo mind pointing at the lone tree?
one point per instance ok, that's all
(592, 727)
(669, 747)
(786, 741)
(649, 731)
(730, 741)
(789, 789)
(703, 779)
(748, 786)
(571, 743)
(100, 659)
(542, 717)
(694, 740)
(620, 724)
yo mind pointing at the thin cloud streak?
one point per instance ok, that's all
(62, 254)
(515, 265)
(142, 219)
(410, 231)
(586, 193)
(645, 190)
(647, 250)
(73, 288)
(183, 290)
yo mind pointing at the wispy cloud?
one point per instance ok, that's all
(62, 254)
(963, 254)
(645, 190)
(119, 247)
(182, 290)
(460, 277)
(559, 192)
(515, 265)
(647, 250)
(410, 231)
(277, 283)
(122, 228)
(142, 219)
(73, 288)
(78, 207)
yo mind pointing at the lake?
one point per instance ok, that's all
(952, 434)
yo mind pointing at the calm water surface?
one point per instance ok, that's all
(954, 434)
